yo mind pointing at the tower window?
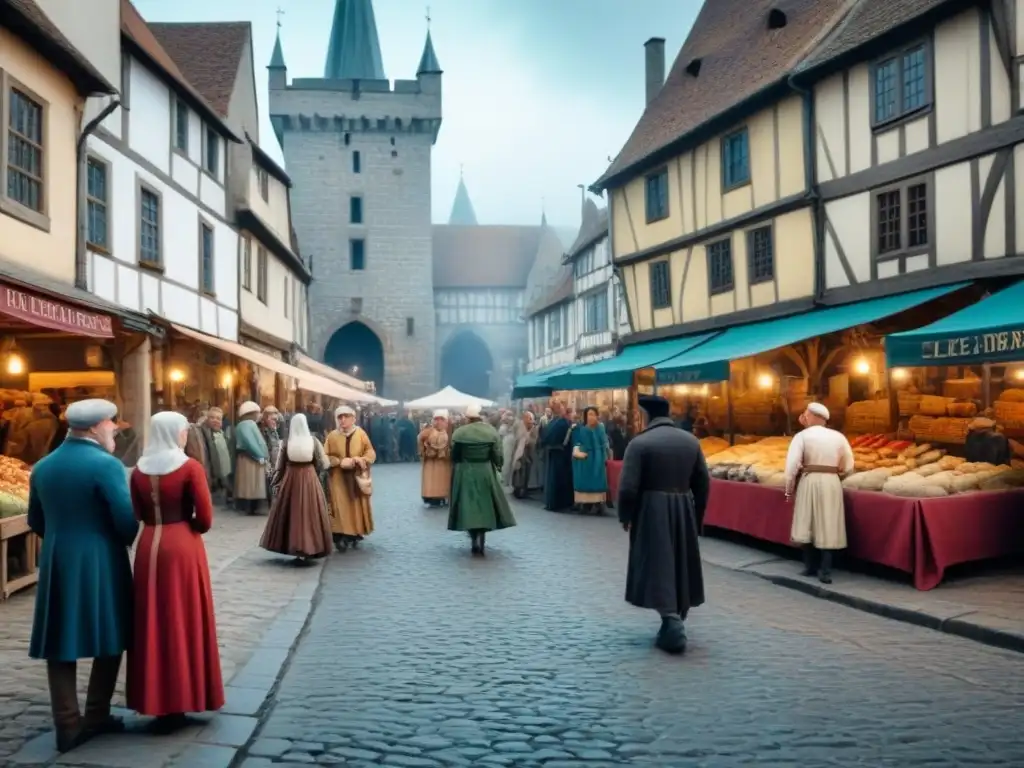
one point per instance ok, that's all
(348, 139)
(357, 162)
(355, 210)
(410, 326)
(357, 255)
(392, 141)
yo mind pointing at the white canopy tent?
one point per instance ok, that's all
(448, 398)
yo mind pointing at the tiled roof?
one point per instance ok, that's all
(266, 162)
(559, 292)
(135, 29)
(484, 256)
(209, 54)
(865, 21)
(593, 228)
(739, 55)
(29, 22)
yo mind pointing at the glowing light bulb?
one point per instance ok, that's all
(177, 375)
(227, 379)
(862, 367)
(1019, 374)
(15, 365)
(899, 374)
(765, 381)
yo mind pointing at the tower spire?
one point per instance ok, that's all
(277, 57)
(354, 49)
(429, 64)
(462, 214)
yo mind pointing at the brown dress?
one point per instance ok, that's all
(351, 512)
(299, 523)
(435, 448)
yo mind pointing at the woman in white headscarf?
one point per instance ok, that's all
(351, 455)
(435, 448)
(173, 662)
(299, 524)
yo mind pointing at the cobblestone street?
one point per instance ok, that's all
(419, 655)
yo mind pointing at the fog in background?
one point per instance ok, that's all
(537, 93)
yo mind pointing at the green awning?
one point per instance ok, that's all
(617, 372)
(990, 331)
(535, 383)
(710, 362)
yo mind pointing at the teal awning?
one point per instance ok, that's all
(616, 372)
(535, 383)
(710, 362)
(990, 331)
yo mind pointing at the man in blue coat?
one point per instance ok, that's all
(80, 505)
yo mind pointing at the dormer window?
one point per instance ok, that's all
(693, 68)
(776, 19)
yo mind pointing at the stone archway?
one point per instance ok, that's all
(466, 364)
(356, 350)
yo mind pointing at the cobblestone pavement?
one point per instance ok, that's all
(251, 589)
(420, 655)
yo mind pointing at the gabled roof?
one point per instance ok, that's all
(30, 23)
(593, 227)
(144, 44)
(730, 56)
(484, 256)
(868, 20)
(559, 293)
(209, 54)
(354, 49)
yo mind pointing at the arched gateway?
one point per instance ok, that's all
(466, 364)
(355, 349)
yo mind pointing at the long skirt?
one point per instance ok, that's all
(664, 571)
(819, 516)
(298, 524)
(436, 483)
(173, 661)
(250, 479)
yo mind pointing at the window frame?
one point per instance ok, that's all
(105, 248)
(751, 233)
(905, 251)
(355, 204)
(648, 178)
(728, 185)
(39, 219)
(246, 242)
(357, 162)
(667, 303)
(712, 290)
(262, 268)
(898, 55)
(180, 109)
(143, 187)
(410, 326)
(351, 255)
(263, 179)
(599, 298)
(211, 139)
(204, 227)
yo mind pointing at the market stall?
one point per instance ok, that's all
(448, 398)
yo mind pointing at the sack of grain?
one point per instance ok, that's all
(965, 483)
(874, 480)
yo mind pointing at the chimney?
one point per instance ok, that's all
(654, 58)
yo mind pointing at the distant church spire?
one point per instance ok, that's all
(463, 214)
(354, 50)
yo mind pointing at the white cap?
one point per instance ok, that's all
(248, 407)
(441, 414)
(86, 414)
(818, 410)
(343, 410)
(473, 411)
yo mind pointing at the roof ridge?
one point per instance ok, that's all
(845, 15)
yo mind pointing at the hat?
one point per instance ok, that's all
(818, 410)
(441, 414)
(247, 407)
(343, 410)
(655, 405)
(270, 409)
(86, 414)
(473, 411)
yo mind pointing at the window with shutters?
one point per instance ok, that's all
(661, 288)
(720, 272)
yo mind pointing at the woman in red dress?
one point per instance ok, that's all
(173, 663)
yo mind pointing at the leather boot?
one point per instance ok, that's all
(102, 682)
(67, 720)
(672, 635)
(825, 572)
(482, 541)
(810, 560)
(474, 542)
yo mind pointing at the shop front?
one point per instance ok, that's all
(534, 385)
(745, 387)
(58, 345)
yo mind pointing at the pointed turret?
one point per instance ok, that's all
(277, 57)
(354, 50)
(463, 214)
(428, 61)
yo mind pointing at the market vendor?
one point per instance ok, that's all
(817, 461)
(985, 444)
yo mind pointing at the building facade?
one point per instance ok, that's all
(159, 236)
(358, 150)
(553, 330)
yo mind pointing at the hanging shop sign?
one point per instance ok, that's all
(996, 346)
(56, 315)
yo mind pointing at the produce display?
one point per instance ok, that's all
(13, 487)
(762, 461)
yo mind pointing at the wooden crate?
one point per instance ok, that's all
(14, 531)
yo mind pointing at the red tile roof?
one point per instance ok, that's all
(739, 57)
(209, 54)
(484, 256)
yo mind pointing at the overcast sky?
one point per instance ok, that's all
(537, 93)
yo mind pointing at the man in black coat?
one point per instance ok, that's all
(663, 491)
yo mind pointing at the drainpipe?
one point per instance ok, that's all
(810, 175)
(81, 257)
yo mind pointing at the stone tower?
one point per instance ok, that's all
(358, 151)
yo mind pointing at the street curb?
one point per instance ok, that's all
(1008, 641)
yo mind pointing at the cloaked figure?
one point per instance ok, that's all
(174, 661)
(80, 505)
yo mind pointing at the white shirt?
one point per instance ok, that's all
(817, 446)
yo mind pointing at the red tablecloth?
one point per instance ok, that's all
(922, 537)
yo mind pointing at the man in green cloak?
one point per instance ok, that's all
(478, 503)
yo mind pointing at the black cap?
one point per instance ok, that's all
(655, 405)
